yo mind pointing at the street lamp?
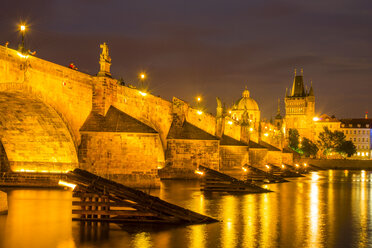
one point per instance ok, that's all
(22, 28)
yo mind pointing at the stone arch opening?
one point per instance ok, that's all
(33, 136)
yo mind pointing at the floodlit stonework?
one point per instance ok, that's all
(55, 119)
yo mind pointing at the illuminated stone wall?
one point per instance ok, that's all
(287, 158)
(204, 121)
(274, 157)
(233, 156)
(150, 110)
(125, 157)
(232, 128)
(258, 157)
(191, 153)
(34, 136)
(68, 91)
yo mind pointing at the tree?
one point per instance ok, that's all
(325, 141)
(347, 147)
(308, 147)
(335, 142)
(293, 137)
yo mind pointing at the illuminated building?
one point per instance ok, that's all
(324, 120)
(246, 112)
(300, 108)
(359, 132)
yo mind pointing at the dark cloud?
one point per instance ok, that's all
(212, 47)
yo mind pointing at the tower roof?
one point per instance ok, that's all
(298, 86)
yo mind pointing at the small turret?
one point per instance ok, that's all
(311, 91)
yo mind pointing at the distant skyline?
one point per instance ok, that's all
(212, 48)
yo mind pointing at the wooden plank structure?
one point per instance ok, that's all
(214, 181)
(284, 172)
(102, 200)
(254, 174)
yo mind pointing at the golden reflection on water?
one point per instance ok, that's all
(142, 240)
(265, 220)
(330, 207)
(229, 214)
(363, 236)
(250, 221)
(197, 236)
(314, 215)
(43, 217)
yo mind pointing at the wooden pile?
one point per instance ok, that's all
(284, 172)
(214, 181)
(102, 200)
(255, 174)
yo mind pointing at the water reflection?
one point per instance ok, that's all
(324, 209)
(229, 209)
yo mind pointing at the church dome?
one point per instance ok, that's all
(246, 102)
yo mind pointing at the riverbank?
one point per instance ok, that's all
(340, 164)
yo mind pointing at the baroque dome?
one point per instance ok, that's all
(246, 102)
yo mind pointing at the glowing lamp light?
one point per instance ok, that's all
(251, 129)
(198, 98)
(316, 118)
(305, 164)
(267, 166)
(244, 169)
(230, 122)
(314, 177)
(199, 112)
(22, 56)
(143, 93)
(70, 185)
(199, 172)
(23, 27)
(266, 134)
(283, 166)
(229, 111)
(142, 76)
(297, 165)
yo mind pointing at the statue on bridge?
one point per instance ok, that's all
(104, 61)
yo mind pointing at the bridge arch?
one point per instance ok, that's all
(33, 136)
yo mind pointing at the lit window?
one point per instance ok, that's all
(367, 154)
(362, 154)
(358, 153)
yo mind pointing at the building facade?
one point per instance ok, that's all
(300, 108)
(359, 132)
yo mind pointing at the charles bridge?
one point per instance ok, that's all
(54, 119)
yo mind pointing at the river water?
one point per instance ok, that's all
(324, 209)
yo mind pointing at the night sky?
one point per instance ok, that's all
(212, 47)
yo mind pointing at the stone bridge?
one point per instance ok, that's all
(54, 119)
